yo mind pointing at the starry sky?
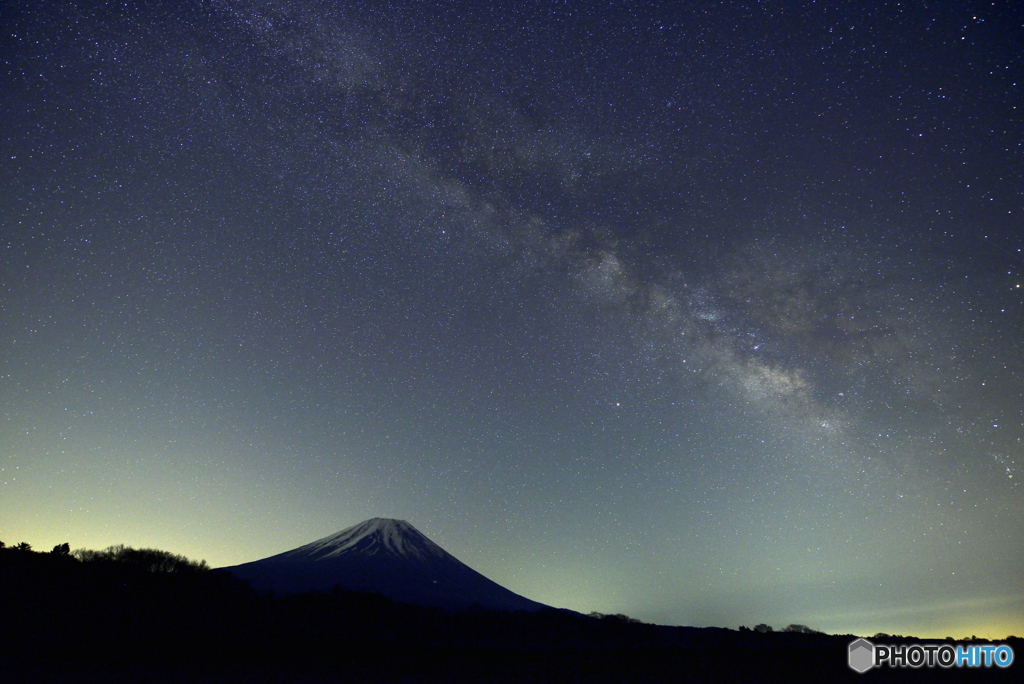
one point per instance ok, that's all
(706, 313)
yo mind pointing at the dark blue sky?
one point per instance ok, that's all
(708, 315)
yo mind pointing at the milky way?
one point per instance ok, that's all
(708, 316)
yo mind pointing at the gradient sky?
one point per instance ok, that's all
(709, 315)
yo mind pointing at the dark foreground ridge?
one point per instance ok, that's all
(135, 617)
(387, 557)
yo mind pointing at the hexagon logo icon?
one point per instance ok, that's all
(862, 655)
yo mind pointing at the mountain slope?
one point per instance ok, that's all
(385, 556)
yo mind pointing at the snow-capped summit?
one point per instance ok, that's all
(373, 537)
(386, 556)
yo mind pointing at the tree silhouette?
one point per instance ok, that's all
(153, 560)
(616, 617)
(61, 549)
(24, 546)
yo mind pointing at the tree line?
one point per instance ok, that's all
(153, 560)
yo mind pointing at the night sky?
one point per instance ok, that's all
(708, 314)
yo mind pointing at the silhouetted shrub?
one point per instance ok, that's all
(763, 628)
(61, 549)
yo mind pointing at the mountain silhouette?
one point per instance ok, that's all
(384, 556)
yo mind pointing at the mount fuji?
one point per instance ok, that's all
(384, 556)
